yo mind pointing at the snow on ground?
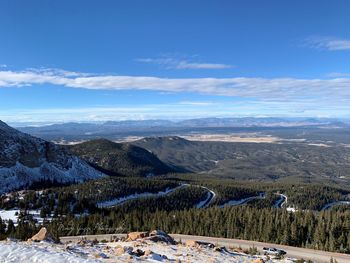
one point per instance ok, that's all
(9, 214)
(291, 209)
(11, 252)
(13, 214)
(181, 253)
(19, 175)
(243, 201)
(120, 200)
(43, 252)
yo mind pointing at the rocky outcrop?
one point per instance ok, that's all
(258, 260)
(161, 236)
(195, 243)
(42, 235)
(155, 236)
(26, 161)
(132, 236)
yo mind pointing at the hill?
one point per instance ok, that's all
(26, 161)
(120, 158)
(253, 161)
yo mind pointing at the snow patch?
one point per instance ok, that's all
(21, 252)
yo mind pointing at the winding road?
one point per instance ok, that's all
(120, 200)
(280, 203)
(243, 201)
(330, 205)
(210, 197)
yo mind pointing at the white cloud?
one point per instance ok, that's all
(328, 43)
(172, 63)
(338, 74)
(197, 103)
(267, 89)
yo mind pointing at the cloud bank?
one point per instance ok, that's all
(267, 89)
(172, 63)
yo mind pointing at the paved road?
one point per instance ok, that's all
(293, 252)
(210, 197)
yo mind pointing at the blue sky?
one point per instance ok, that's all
(112, 60)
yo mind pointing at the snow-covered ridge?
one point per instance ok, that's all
(25, 159)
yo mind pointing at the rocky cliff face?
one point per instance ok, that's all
(25, 160)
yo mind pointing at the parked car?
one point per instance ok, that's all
(274, 251)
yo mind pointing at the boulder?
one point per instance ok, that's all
(195, 243)
(42, 235)
(136, 235)
(138, 253)
(258, 260)
(119, 250)
(161, 236)
(219, 249)
(158, 233)
(191, 243)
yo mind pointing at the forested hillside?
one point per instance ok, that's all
(120, 159)
(254, 161)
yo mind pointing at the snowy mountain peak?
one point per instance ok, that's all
(25, 160)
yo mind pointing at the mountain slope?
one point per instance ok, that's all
(253, 160)
(120, 158)
(26, 160)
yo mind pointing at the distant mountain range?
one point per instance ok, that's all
(116, 129)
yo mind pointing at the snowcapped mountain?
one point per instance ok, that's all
(25, 160)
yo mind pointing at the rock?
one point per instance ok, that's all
(148, 252)
(157, 233)
(136, 235)
(82, 242)
(165, 239)
(94, 242)
(218, 249)
(195, 243)
(128, 249)
(191, 243)
(42, 235)
(103, 255)
(119, 250)
(258, 260)
(138, 253)
(161, 236)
